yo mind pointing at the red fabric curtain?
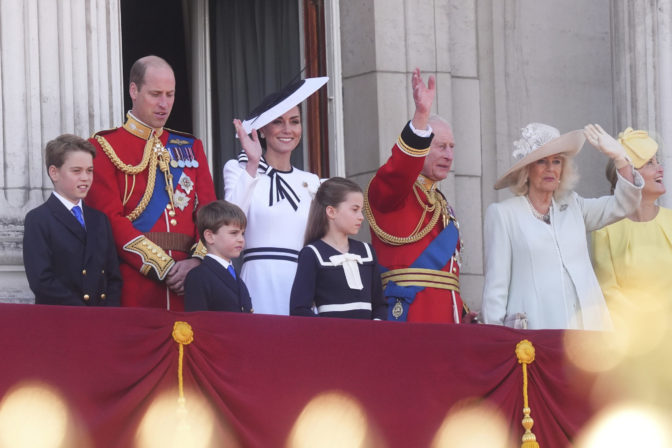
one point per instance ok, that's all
(258, 372)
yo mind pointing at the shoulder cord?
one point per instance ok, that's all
(149, 158)
(437, 206)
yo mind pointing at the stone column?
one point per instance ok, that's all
(642, 63)
(60, 72)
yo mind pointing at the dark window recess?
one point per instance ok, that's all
(158, 27)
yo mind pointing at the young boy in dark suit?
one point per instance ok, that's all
(214, 284)
(68, 250)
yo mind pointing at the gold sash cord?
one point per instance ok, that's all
(422, 277)
(154, 154)
(525, 354)
(183, 335)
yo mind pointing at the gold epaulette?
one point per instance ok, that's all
(153, 257)
(199, 250)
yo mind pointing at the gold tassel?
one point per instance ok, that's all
(525, 354)
(183, 335)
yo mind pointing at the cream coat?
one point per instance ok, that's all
(525, 258)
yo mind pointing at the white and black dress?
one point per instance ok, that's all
(276, 204)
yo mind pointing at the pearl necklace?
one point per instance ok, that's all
(545, 217)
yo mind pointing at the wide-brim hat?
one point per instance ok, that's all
(278, 103)
(569, 144)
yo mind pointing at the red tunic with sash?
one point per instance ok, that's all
(150, 230)
(400, 203)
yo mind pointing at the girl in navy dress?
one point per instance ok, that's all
(337, 276)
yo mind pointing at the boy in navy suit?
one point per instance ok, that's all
(68, 249)
(214, 284)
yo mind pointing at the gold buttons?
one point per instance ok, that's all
(169, 207)
(102, 296)
(86, 297)
(171, 213)
(173, 222)
(103, 271)
(83, 271)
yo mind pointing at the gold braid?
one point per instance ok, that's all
(149, 158)
(437, 205)
(121, 166)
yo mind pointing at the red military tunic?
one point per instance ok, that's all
(119, 188)
(397, 197)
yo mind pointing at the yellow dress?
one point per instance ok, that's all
(633, 260)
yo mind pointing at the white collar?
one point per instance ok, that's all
(220, 260)
(68, 204)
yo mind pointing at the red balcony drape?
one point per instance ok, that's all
(258, 372)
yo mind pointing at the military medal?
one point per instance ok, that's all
(397, 310)
(173, 161)
(189, 159)
(187, 162)
(194, 162)
(180, 163)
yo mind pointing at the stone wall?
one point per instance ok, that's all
(59, 72)
(499, 65)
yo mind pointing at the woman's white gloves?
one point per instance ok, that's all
(606, 144)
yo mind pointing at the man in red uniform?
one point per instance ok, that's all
(413, 229)
(149, 182)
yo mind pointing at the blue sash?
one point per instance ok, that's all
(157, 204)
(435, 256)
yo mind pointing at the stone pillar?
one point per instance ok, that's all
(60, 72)
(642, 62)
(550, 63)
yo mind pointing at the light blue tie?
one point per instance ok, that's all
(77, 211)
(232, 271)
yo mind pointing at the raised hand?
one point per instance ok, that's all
(423, 96)
(251, 146)
(604, 142)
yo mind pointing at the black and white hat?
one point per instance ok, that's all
(278, 103)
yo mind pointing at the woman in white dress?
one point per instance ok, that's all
(274, 195)
(537, 268)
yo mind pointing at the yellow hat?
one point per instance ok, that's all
(639, 146)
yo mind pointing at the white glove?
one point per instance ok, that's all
(606, 144)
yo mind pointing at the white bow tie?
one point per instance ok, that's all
(350, 268)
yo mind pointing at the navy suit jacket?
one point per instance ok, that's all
(210, 287)
(67, 265)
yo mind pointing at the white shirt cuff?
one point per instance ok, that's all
(421, 132)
